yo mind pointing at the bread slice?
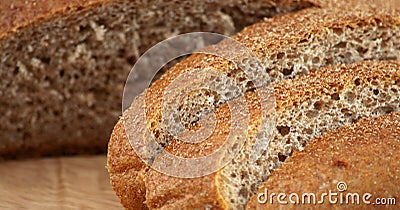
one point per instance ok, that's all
(364, 157)
(289, 45)
(64, 63)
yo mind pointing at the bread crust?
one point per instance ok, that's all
(364, 155)
(20, 13)
(262, 38)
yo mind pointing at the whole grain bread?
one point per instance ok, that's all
(360, 158)
(64, 62)
(289, 46)
(307, 107)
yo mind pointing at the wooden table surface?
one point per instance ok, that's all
(57, 183)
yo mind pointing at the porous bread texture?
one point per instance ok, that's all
(288, 46)
(267, 40)
(307, 108)
(364, 155)
(64, 64)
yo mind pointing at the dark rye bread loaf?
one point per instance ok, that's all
(63, 63)
(289, 45)
(365, 156)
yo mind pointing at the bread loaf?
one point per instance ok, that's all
(64, 62)
(356, 159)
(289, 46)
(307, 107)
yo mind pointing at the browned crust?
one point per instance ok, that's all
(261, 38)
(364, 155)
(125, 169)
(19, 14)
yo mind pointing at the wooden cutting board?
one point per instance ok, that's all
(57, 183)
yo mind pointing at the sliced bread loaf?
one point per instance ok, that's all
(289, 46)
(349, 162)
(64, 62)
(307, 107)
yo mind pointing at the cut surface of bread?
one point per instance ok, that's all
(64, 62)
(289, 46)
(352, 160)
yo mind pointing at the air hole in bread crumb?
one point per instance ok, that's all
(259, 162)
(46, 60)
(303, 41)
(329, 61)
(346, 112)
(287, 71)
(253, 187)
(152, 124)
(283, 130)
(378, 21)
(243, 192)
(16, 71)
(242, 79)
(312, 114)
(335, 96)
(385, 109)
(157, 134)
(337, 31)
(280, 55)
(357, 82)
(350, 97)
(61, 73)
(319, 105)
(244, 175)
(130, 59)
(341, 45)
(309, 131)
(355, 120)
(362, 50)
(281, 157)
